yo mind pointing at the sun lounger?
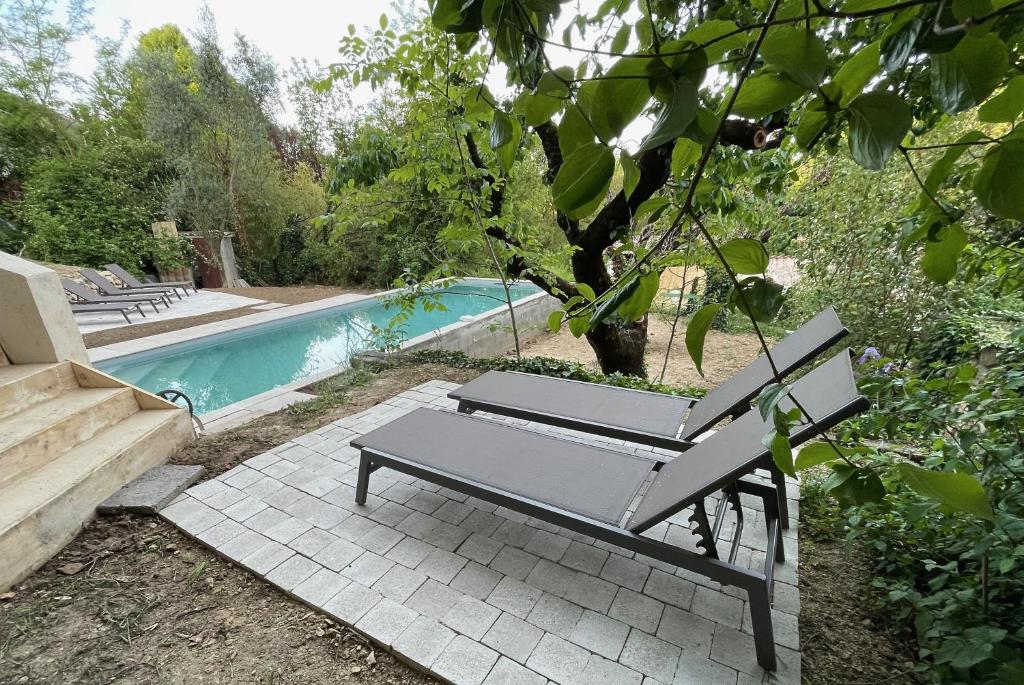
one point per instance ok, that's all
(130, 281)
(647, 418)
(123, 309)
(85, 294)
(107, 287)
(592, 491)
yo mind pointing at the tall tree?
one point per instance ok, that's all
(722, 84)
(35, 48)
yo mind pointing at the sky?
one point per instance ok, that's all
(309, 29)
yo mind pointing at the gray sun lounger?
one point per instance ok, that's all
(614, 496)
(123, 275)
(122, 309)
(107, 287)
(648, 418)
(86, 295)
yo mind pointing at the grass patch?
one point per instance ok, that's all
(334, 391)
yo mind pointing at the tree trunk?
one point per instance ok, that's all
(620, 350)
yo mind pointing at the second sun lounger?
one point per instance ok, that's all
(106, 287)
(614, 496)
(123, 275)
(87, 295)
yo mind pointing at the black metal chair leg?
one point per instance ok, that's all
(363, 479)
(761, 621)
(779, 480)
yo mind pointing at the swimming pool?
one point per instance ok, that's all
(230, 367)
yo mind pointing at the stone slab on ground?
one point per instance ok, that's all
(474, 593)
(152, 491)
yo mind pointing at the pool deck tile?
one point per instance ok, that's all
(444, 580)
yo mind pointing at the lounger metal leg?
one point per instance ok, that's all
(761, 622)
(124, 313)
(363, 479)
(779, 479)
(154, 307)
(138, 308)
(464, 408)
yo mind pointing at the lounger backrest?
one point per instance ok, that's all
(123, 275)
(97, 279)
(79, 290)
(828, 393)
(789, 354)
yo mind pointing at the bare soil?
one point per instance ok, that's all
(725, 353)
(291, 295)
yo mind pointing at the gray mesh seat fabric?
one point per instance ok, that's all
(107, 288)
(590, 490)
(85, 294)
(639, 416)
(130, 281)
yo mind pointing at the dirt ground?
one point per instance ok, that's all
(725, 353)
(291, 295)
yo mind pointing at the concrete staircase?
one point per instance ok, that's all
(69, 437)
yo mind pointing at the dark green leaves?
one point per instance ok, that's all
(573, 131)
(583, 180)
(967, 74)
(555, 320)
(940, 171)
(630, 174)
(998, 184)
(621, 95)
(813, 454)
(878, 122)
(758, 298)
(697, 331)
(855, 74)
(940, 256)
(506, 132)
(501, 129)
(766, 93)
(551, 93)
(798, 54)
(958, 491)
(675, 117)
(684, 153)
(745, 256)
(1007, 105)
(725, 34)
(637, 304)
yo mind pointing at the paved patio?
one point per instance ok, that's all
(196, 304)
(475, 593)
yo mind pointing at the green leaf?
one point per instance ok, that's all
(653, 206)
(573, 131)
(586, 291)
(637, 304)
(446, 13)
(766, 93)
(621, 39)
(798, 54)
(1007, 105)
(959, 491)
(630, 173)
(613, 302)
(685, 153)
(782, 451)
(555, 320)
(745, 256)
(940, 256)
(812, 123)
(713, 30)
(878, 123)
(578, 325)
(621, 95)
(898, 44)
(675, 117)
(507, 152)
(940, 171)
(813, 454)
(758, 298)
(967, 74)
(856, 73)
(999, 181)
(583, 179)
(697, 331)
(501, 129)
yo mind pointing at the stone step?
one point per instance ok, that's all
(31, 438)
(23, 385)
(43, 509)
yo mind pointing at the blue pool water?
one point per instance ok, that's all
(222, 369)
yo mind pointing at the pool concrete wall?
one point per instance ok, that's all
(490, 334)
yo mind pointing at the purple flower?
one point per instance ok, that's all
(889, 366)
(869, 354)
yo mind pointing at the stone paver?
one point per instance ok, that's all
(153, 490)
(473, 592)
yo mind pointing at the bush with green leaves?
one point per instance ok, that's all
(97, 205)
(933, 485)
